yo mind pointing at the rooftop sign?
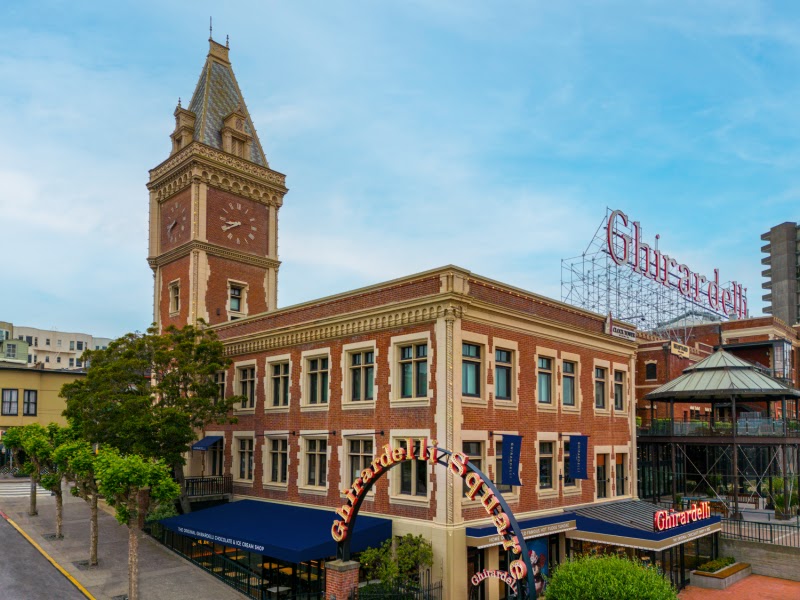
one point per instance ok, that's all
(628, 249)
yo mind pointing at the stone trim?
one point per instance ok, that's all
(213, 250)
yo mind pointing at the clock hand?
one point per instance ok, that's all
(172, 225)
(230, 225)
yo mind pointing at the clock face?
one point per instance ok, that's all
(238, 224)
(176, 222)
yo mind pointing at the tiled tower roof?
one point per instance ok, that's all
(216, 96)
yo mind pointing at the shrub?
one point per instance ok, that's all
(607, 578)
(713, 566)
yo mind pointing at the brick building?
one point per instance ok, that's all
(443, 355)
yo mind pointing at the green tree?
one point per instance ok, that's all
(38, 443)
(607, 578)
(150, 393)
(75, 460)
(403, 558)
(129, 483)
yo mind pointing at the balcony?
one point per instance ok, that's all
(766, 248)
(198, 488)
(763, 427)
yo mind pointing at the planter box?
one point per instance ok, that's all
(721, 579)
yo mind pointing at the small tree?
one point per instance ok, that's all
(76, 461)
(403, 559)
(38, 444)
(124, 480)
(607, 578)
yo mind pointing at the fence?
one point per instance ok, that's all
(209, 486)
(780, 534)
(397, 591)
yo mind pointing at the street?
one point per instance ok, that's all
(27, 575)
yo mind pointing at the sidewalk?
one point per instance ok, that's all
(163, 575)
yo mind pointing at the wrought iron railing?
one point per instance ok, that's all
(208, 486)
(781, 534)
(744, 427)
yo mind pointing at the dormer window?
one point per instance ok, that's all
(184, 128)
(235, 139)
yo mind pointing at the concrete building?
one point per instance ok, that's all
(54, 349)
(783, 277)
(444, 358)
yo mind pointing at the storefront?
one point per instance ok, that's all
(265, 550)
(487, 560)
(673, 542)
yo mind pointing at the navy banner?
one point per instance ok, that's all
(578, 450)
(511, 447)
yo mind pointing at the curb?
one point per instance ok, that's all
(72, 580)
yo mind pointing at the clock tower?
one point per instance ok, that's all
(214, 209)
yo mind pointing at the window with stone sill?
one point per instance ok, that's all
(279, 382)
(316, 455)
(545, 380)
(247, 387)
(278, 460)
(503, 369)
(317, 377)
(361, 378)
(413, 363)
(471, 370)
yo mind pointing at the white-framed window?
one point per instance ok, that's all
(544, 380)
(413, 479)
(316, 462)
(568, 481)
(546, 464)
(621, 474)
(278, 461)
(47, 341)
(361, 375)
(71, 362)
(504, 374)
(72, 344)
(413, 365)
(247, 386)
(569, 373)
(619, 390)
(360, 452)
(471, 357)
(58, 343)
(474, 450)
(237, 299)
(11, 351)
(279, 383)
(174, 297)
(602, 466)
(58, 360)
(600, 395)
(317, 379)
(220, 379)
(244, 456)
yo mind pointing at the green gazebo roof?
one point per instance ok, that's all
(722, 375)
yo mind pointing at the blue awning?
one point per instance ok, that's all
(206, 442)
(284, 531)
(484, 537)
(630, 523)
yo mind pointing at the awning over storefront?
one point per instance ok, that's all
(283, 531)
(206, 442)
(630, 524)
(484, 537)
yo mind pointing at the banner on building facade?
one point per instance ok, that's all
(510, 464)
(578, 450)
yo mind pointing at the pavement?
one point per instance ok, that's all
(754, 586)
(163, 574)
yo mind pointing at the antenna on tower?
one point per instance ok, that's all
(210, 28)
(227, 41)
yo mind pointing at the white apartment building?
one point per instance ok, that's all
(56, 349)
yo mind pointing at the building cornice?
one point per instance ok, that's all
(212, 250)
(413, 312)
(218, 169)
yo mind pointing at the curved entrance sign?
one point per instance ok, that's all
(479, 487)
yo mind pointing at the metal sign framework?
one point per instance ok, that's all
(595, 282)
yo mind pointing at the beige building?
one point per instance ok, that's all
(31, 395)
(55, 349)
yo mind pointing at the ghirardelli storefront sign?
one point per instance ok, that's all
(628, 249)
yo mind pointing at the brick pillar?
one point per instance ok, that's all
(340, 578)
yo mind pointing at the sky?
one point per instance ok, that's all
(413, 134)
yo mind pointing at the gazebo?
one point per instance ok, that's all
(732, 406)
